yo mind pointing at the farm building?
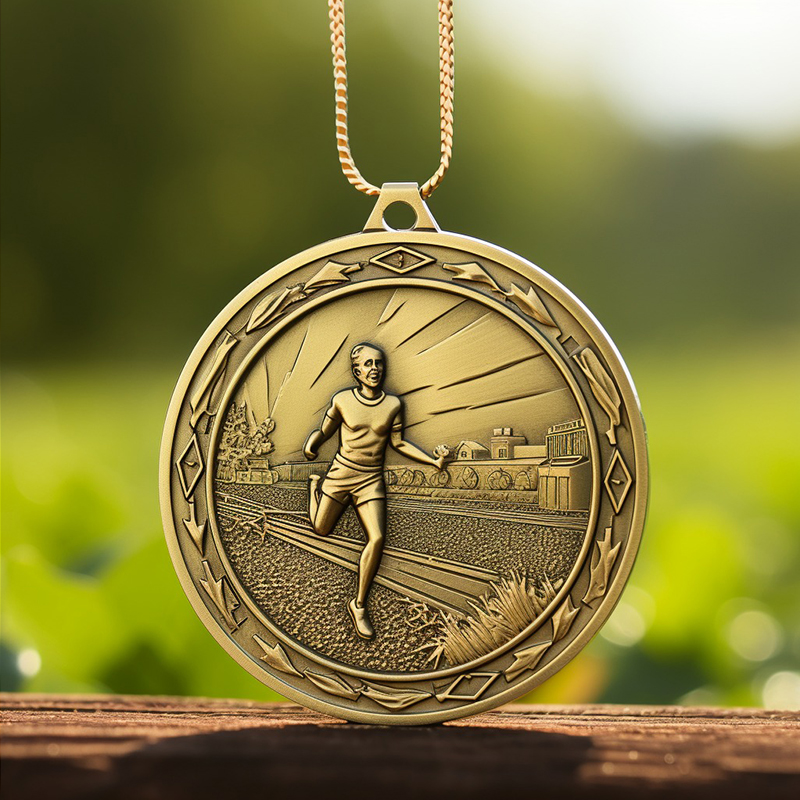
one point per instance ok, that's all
(565, 483)
(565, 479)
(470, 450)
(504, 442)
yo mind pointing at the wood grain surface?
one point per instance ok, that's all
(56, 746)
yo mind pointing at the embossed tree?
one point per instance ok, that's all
(259, 442)
(225, 455)
(242, 440)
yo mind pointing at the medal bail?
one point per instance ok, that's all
(408, 194)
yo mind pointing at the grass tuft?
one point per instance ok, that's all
(510, 605)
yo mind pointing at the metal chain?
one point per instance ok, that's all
(446, 85)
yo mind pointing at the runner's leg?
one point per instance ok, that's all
(325, 514)
(313, 497)
(372, 516)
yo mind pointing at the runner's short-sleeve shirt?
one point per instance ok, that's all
(365, 425)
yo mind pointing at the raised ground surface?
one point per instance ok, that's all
(303, 582)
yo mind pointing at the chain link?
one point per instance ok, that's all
(446, 85)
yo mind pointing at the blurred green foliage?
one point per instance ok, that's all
(159, 156)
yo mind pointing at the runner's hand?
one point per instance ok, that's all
(439, 463)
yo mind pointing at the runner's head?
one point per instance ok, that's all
(368, 364)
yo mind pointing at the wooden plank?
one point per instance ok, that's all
(162, 747)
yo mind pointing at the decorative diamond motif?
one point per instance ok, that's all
(190, 467)
(618, 481)
(476, 683)
(401, 259)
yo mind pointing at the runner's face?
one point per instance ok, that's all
(370, 367)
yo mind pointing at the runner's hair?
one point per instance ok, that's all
(356, 351)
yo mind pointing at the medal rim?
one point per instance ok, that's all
(640, 495)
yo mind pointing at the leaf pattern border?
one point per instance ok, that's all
(334, 684)
(527, 301)
(601, 566)
(275, 304)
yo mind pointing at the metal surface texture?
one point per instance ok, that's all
(404, 474)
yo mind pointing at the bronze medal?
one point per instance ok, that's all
(404, 474)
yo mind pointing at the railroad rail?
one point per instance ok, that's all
(449, 585)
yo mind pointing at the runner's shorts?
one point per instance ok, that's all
(346, 481)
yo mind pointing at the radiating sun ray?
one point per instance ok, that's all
(491, 371)
(328, 362)
(287, 377)
(429, 323)
(475, 406)
(392, 307)
(459, 332)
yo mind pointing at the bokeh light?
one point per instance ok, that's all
(754, 635)
(782, 690)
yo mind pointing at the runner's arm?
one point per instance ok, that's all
(330, 423)
(410, 450)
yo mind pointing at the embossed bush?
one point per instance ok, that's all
(509, 607)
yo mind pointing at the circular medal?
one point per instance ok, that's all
(404, 474)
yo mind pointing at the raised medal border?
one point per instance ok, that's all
(595, 333)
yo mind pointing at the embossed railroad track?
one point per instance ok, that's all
(443, 583)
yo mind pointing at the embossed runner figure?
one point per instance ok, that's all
(368, 420)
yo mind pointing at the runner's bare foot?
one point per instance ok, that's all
(360, 620)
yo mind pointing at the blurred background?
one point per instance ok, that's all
(158, 156)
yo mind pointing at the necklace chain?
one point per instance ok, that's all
(446, 84)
